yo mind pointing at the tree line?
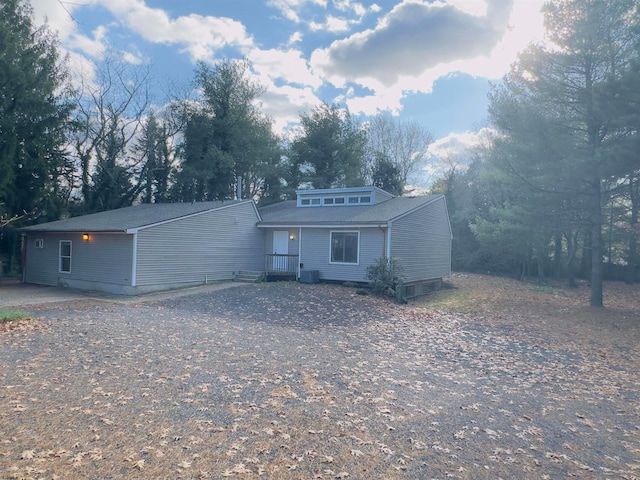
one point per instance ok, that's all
(72, 146)
(553, 193)
(556, 191)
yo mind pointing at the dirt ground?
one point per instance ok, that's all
(558, 313)
(489, 379)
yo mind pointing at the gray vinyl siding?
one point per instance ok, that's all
(382, 196)
(206, 247)
(316, 253)
(103, 259)
(421, 241)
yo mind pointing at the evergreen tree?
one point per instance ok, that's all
(386, 175)
(557, 137)
(33, 117)
(155, 160)
(35, 173)
(226, 137)
(329, 151)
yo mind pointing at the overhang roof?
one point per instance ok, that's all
(288, 214)
(130, 218)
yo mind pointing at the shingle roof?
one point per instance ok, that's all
(122, 219)
(287, 213)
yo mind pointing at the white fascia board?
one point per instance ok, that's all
(255, 208)
(350, 225)
(222, 207)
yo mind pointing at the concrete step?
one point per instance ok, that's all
(249, 277)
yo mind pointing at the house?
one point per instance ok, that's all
(147, 247)
(325, 234)
(340, 232)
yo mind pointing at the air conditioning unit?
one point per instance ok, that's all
(309, 276)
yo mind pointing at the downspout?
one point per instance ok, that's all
(388, 245)
(299, 249)
(134, 265)
(23, 244)
(384, 240)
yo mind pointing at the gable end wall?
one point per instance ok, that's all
(207, 247)
(105, 259)
(421, 241)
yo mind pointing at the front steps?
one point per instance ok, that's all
(246, 276)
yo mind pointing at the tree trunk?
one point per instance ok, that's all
(596, 245)
(585, 260)
(632, 252)
(557, 255)
(572, 248)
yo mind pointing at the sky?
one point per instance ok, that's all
(428, 61)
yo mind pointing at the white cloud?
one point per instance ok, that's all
(284, 65)
(200, 36)
(456, 151)
(418, 42)
(284, 104)
(413, 45)
(133, 58)
(477, 8)
(59, 15)
(336, 24)
(291, 9)
(92, 47)
(296, 37)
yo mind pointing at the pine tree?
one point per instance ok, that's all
(330, 150)
(33, 116)
(558, 137)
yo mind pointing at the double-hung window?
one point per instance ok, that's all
(65, 256)
(344, 247)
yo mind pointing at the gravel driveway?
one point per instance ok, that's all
(307, 381)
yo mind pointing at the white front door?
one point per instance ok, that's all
(280, 247)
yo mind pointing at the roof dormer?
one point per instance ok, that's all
(341, 197)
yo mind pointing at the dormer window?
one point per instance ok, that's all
(332, 197)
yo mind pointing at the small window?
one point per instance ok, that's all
(315, 201)
(339, 201)
(365, 199)
(39, 242)
(328, 201)
(344, 247)
(65, 256)
(353, 200)
(305, 201)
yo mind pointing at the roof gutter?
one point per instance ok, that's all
(319, 225)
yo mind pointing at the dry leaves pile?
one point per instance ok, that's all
(493, 379)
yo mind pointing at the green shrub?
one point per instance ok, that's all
(385, 276)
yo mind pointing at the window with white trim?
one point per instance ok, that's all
(65, 256)
(344, 247)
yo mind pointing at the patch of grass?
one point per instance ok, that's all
(549, 289)
(446, 300)
(7, 315)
